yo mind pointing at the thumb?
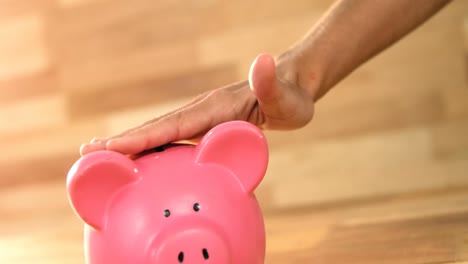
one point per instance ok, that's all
(282, 105)
(262, 79)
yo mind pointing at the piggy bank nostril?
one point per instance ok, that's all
(205, 253)
(180, 257)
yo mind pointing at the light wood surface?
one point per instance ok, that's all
(379, 176)
(72, 70)
(39, 227)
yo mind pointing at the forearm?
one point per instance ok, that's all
(349, 34)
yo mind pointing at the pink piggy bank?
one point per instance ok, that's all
(183, 204)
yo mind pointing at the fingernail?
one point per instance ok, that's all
(82, 148)
(112, 142)
(91, 144)
(97, 140)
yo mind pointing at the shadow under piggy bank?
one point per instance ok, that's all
(178, 204)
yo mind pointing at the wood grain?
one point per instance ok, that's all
(19, 88)
(96, 68)
(52, 142)
(450, 138)
(413, 241)
(378, 176)
(148, 91)
(13, 8)
(401, 229)
(92, 74)
(41, 112)
(23, 46)
(244, 44)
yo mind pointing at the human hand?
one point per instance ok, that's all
(270, 99)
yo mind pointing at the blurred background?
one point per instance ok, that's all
(74, 69)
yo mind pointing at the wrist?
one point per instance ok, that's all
(295, 67)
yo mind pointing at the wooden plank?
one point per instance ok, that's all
(358, 167)
(23, 49)
(266, 13)
(363, 182)
(462, 249)
(53, 202)
(52, 142)
(372, 115)
(456, 98)
(264, 194)
(260, 38)
(295, 236)
(405, 207)
(125, 23)
(427, 240)
(92, 73)
(450, 137)
(38, 112)
(381, 111)
(464, 27)
(134, 39)
(83, 104)
(23, 87)
(53, 217)
(310, 233)
(11, 8)
(74, 3)
(383, 149)
(455, 102)
(36, 170)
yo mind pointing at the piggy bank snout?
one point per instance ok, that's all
(192, 246)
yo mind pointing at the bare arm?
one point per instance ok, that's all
(348, 35)
(281, 94)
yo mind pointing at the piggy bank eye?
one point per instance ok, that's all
(196, 207)
(167, 213)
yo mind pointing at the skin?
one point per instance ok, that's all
(280, 93)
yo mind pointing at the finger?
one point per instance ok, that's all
(131, 130)
(262, 79)
(189, 124)
(97, 143)
(100, 143)
(265, 86)
(282, 105)
(182, 125)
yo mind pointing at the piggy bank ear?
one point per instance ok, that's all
(238, 146)
(94, 180)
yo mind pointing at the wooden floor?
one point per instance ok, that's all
(379, 176)
(420, 228)
(74, 69)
